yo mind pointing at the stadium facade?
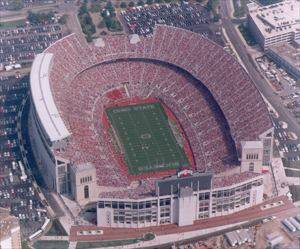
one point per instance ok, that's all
(213, 114)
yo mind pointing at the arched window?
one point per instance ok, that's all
(86, 192)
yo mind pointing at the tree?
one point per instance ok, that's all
(131, 4)
(16, 4)
(63, 19)
(86, 22)
(140, 3)
(95, 7)
(211, 5)
(216, 17)
(38, 18)
(158, 1)
(149, 2)
(89, 37)
(123, 5)
(109, 6)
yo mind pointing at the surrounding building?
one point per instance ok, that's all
(274, 24)
(286, 56)
(10, 235)
(196, 147)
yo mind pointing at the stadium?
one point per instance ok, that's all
(155, 130)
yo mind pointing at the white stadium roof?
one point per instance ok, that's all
(48, 114)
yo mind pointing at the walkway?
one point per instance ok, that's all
(63, 238)
(67, 220)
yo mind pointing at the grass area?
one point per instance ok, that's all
(113, 243)
(295, 191)
(240, 7)
(292, 173)
(12, 24)
(146, 138)
(88, 245)
(24, 244)
(289, 164)
(51, 244)
(56, 229)
(243, 28)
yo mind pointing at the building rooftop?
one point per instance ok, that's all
(277, 18)
(289, 53)
(48, 114)
(252, 144)
(83, 167)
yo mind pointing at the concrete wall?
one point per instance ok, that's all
(247, 162)
(187, 212)
(43, 157)
(80, 179)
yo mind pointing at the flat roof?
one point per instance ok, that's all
(173, 184)
(276, 19)
(252, 144)
(289, 53)
(42, 97)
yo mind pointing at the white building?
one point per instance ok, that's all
(183, 200)
(10, 236)
(276, 23)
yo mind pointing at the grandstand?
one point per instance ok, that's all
(214, 110)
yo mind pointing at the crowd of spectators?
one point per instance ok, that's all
(16, 186)
(141, 20)
(218, 91)
(19, 45)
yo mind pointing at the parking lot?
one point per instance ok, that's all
(141, 20)
(16, 185)
(288, 145)
(284, 85)
(289, 92)
(19, 45)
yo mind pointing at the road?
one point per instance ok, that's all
(249, 64)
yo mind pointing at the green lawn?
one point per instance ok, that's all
(295, 191)
(56, 229)
(292, 173)
(113, 243)
(145, 138)
(13, 24)
(51, 244)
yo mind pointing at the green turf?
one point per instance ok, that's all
(51, 244)
(56, 229)
(145, 138)
(114, 243)
(12, 24)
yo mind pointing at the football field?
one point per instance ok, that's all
(145, 137)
